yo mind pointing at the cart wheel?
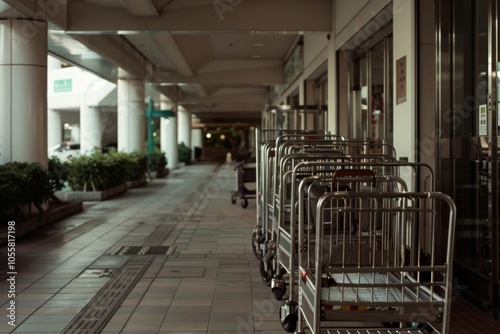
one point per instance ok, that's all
(233, 199)
(244, 203)
(256, 246)
(279, 293)
(289, 324)
(266, 275)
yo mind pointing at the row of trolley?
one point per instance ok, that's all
(346, 242)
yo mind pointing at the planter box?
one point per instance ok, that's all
(36, 221)
(96, 195)
(63, 211)
(162, 174)
(137, 183)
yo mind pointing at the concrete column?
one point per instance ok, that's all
(332, 119)
(75, 133)
(53, 63)
(184, 126)
(310, 121)
(168, 131)
(23, 93)
(196, 140)
(91, 132)
(54, 128)
(131, 115)
(301, 121)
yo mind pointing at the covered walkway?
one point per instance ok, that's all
(172, 257)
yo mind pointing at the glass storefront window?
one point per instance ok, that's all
(364, 95)
(371, 78)
(376, 108)
(469, 122)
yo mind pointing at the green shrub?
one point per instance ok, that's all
(100, 171)
(158, 161)
(184, 153)
(137, 166)
(23, 183)
(12, 186)
(95, 172)
(58, 173)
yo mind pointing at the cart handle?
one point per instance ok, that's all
(353, 173)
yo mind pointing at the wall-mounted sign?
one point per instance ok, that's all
(401, 80)
(64, 85)
(483, 120)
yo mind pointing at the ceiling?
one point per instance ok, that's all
(218, 58)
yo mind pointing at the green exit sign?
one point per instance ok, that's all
(62, 85)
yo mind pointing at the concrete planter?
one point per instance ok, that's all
(64, 211)
(137, 183)
(162, 174)
(96, 195)
(48, 217)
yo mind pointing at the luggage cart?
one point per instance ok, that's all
(245, 174)
(280, 204)
(305, 197)
(289, 150)
(372, 281)
(286, 199)
(265, 141)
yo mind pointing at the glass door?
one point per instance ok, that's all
(470, 122)
(371, 93)
(494, 184)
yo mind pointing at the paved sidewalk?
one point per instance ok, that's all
(172, 257)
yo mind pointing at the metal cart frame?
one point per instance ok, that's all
(373, 278)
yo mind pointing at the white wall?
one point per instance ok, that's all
(314, 44)
(404, 45)
(350, 17)
(345, 11)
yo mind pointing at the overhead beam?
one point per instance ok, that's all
(130, 62)
(255, 16)
(166, 43)
(257, 97)
(53, 11)
(253, 76)
(144, 8)
(226, 107)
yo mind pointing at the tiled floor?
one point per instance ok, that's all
(172, 257)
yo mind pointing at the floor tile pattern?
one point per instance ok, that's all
(173, 257)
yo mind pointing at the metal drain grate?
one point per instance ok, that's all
(94, 317)
(140, 250)
(161, 234)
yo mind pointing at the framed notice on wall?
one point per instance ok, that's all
(483, 120)
(401, 80)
